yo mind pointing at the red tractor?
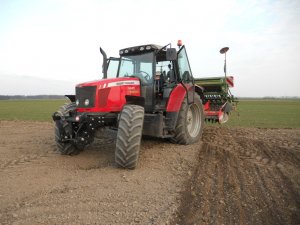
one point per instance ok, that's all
(149, 90)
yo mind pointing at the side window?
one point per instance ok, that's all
(185, 72)
(112, 68)
(163, 68)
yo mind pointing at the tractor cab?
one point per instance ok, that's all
(159, 70)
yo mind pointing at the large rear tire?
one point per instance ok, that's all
(62, 129)
(190, 122)
(129, 136)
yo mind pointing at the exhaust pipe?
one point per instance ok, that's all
(104, 64)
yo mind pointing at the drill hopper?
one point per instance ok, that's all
(218, 100)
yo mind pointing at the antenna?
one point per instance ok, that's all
(223, 51)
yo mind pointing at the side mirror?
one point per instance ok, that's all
(171, 54)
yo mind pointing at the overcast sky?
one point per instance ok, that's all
(44, 42)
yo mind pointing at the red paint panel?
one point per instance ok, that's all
(229, 81)
(110, 94)
(103, 96)
(207, 106)
(176, 98)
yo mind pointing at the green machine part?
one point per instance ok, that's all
(213, 85)
(217, 92)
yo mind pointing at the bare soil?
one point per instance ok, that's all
(232, 176)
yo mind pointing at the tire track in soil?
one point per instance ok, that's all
(232, 208)
(267, 210)
(215, 192)
(22, 160)
(277, 199)
(236, 190)
(205, 198)
(277, 155)
(293, 197)
(259, 153)
(243, 181)
(107, 140)
(261, 162)
(244, 194)
(187, 210)
(218, 177)
(208, 185)
(210, 209)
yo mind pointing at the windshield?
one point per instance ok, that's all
(112, 70)
(140, 66)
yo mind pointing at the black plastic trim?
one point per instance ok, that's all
(135, 100)
(71, 97)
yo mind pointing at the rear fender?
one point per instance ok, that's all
(199, 90)
(175, 99)
(178, 94)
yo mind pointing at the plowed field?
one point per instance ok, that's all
(232, 176)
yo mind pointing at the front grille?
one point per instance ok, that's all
(83, 93)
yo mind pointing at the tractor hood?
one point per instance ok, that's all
(106, 95)
(112, 82)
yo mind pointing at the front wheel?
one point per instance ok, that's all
(190, 122)
(63, 131)
(129, 136)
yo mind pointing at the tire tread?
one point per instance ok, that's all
(65, 148)
(129, 136)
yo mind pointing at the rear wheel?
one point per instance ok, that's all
(190, 121)
(63, 131)
(129, 136)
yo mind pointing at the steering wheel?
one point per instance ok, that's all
(146, 75)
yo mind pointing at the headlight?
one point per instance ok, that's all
(86, 102)
(77, 102)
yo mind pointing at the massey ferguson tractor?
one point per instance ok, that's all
(149, 90)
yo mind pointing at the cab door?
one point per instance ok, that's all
(185, 73)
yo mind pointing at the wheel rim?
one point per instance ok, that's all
(193, 120)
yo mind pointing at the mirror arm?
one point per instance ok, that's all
(164, 48)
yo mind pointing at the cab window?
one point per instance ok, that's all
(140, 66)
(112, 70)
(185, 72)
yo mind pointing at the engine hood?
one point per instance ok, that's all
(106, 95)
(112, 82)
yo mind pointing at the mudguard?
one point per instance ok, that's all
(175, 99)
(178, 94)
(199, 90)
